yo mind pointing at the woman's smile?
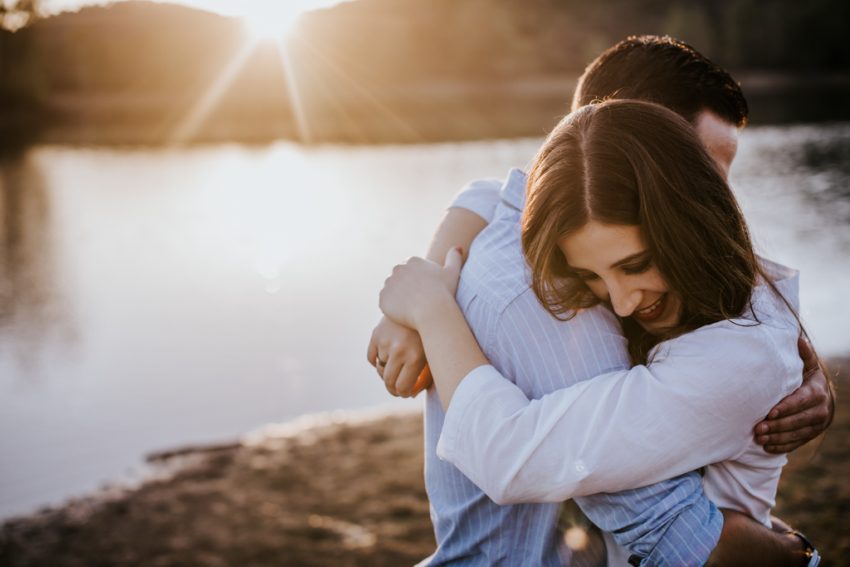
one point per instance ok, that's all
(653, 311)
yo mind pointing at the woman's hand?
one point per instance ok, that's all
(421, 295)
(418, 286)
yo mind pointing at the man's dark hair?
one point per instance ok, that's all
(665, 71)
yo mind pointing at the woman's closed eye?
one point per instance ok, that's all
(638, 267)
(585, 276)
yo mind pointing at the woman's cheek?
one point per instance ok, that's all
(659, 283)
(599, 289)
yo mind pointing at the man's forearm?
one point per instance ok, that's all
(458, 228)
(744, 541)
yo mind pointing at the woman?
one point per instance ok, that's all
(624, 206)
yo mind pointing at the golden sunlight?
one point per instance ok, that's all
(270, 21)
(264, 19)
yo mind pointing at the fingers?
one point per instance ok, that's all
(423, 381)
(784, 442)
(454, 260)
(807, 354)
(396, 353)
(407, 378)
(782, 435)
(822, 391)
(372, 351)
(784, 448)
(390, 375)
(812, 417)
(797, 428)
(801, 399)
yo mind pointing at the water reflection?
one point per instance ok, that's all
(828, 162)
(811, 162)
(215, 289)
(25, 249)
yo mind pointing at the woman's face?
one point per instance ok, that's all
(617, 267)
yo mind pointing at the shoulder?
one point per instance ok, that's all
(766, 329)
(777, 302)
(496, 269)
(592, 334)
(732, 341)
(757, 359)
(485, 184)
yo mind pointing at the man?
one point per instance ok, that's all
(671, 522)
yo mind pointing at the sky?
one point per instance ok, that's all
(284, 9)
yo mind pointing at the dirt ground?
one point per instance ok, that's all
(337, 492)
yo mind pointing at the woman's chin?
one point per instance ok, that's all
(654, 328)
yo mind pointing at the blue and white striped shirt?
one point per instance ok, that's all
(669, 523)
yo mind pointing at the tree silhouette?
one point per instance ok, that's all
(15, 14)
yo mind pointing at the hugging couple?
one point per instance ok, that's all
(611, 338)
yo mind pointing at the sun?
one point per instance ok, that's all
(272, 21)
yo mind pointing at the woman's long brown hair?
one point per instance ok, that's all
(628, 162)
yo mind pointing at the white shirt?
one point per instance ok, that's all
(702, 393)
(670, 523)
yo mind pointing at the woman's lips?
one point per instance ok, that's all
(651, 312)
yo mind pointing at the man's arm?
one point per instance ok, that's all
(805, 413)
(745, 542)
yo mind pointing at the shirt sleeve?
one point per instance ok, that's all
(668, 523)
(620, 430)
(671, 522)
(481, 197)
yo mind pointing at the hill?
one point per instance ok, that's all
(381, 70)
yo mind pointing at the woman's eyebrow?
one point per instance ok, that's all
(629, 259)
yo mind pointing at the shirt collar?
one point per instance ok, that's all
(513, 191)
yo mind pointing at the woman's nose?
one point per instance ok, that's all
(624, 301)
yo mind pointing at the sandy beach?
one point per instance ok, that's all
(339, 489)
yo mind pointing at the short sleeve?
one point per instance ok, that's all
(481, 197)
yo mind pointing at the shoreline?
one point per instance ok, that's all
(342, 488)
(435, 112)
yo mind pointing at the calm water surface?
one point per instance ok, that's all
(153, 298)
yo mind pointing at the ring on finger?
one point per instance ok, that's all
(380, 362)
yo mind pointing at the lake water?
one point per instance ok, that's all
(156, 298)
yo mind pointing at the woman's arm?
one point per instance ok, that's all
(420, 295)
(400, 347)
(619, 430)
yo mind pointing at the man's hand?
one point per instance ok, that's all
(402, 358)
(802, 415)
